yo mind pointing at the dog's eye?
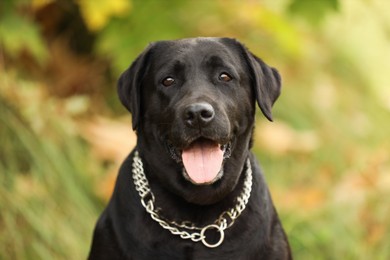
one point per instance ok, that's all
(225, 77)
(168, 81)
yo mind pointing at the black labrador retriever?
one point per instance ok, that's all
(191, 189)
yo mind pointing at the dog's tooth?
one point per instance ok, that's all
(227, 151)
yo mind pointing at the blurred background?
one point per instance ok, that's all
(63, 132)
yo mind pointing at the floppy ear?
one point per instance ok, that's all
(266, 83)
(129, 85)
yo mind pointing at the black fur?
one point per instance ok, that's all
(125, 230)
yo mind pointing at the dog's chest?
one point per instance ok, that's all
(157, 243)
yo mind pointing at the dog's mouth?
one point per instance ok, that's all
(202, 160)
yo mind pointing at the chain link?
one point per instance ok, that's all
(225, 220)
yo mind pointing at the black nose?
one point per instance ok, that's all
(198, 114)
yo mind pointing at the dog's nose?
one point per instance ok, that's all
(198, 114)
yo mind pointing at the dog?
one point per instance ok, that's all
(191, 188)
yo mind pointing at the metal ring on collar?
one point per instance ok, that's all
(203, 237)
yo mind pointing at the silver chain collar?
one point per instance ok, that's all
(186, 229)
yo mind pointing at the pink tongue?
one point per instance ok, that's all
(203, 161)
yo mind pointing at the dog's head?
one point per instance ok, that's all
(193, 106)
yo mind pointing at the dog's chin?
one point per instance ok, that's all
(202, 160)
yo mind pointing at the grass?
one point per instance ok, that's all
(47, 201)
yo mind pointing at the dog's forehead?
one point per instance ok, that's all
(191, 45)
(200, 49)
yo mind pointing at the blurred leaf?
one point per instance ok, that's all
(18, 34)
(279, 138)
(110, 140)
(97, 13)
(36, 4)
(124, 38)
(313, 10)
(77, 105)
(261, 25)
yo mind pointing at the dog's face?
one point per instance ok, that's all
(193, 106)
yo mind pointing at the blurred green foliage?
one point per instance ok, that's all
(18, 32)
(326, 158)
(313, 11)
